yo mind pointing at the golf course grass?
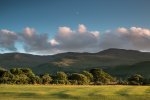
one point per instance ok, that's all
(60, 92)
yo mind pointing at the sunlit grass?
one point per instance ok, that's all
(57, 92)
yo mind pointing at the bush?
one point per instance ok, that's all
(88, 75)
(46, 79)
(61, 78)
(64, 82)
(135, 79)
(73, 82)
(101, 76)
(146, 82)
(35, 80)
(80, 78)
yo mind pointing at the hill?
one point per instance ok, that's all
(119, 62)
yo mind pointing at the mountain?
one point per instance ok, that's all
(119, 62)
(11, 60)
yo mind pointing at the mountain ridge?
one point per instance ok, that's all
(109, 60)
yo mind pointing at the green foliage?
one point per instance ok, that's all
(96, 76)
(80, 78)
(64, 82)
(122, 82)
(61, 78)
(16, 71)
(73, 82)
(46, 79)
(101, 77)
(22, 75)
(35, 80)
(5, 77)
(21, 79)
(146, 81)
(135, 79)
(88, 75)
(28, 72)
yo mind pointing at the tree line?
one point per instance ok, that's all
(91, 77)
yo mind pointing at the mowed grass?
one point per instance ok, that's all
(59, 92)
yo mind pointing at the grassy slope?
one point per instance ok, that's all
(142, 68)
(37, 92)
(11, 60)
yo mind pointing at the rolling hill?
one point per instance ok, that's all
(119, 62)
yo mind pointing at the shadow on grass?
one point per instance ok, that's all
(123, 92)
(19, 94)
(147, 91)
(64, 95)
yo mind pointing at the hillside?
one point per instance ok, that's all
(118, 62)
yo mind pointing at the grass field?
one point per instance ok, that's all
(50, 92)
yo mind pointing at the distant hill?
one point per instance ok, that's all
(119, 62)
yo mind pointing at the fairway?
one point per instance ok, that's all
(53, 92)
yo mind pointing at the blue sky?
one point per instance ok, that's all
(46, 16)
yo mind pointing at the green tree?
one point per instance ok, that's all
(27, 71)
(79, 78)
(46, 79)
(136, 79)
(35, 80)
(21, 75)
(21, 79)
(120, 81)
(61, 78)
(88, 75)
(5, 77)
(101, 77)
(146, 81)
(16, 71)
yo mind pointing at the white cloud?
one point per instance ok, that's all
(140, 31)
(75, 40)
(64, 31)
(79, 40)
(96, 33)
(81, 28)
(33, 42)
(122, 30)
(53, 42)
(29, 31)
(7, 40)
(132, 38)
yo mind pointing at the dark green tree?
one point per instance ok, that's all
(28, 72)
(146, 81)
(16, 71)
(5, 77)
(136, 79)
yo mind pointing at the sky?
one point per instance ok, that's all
(55, 26)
